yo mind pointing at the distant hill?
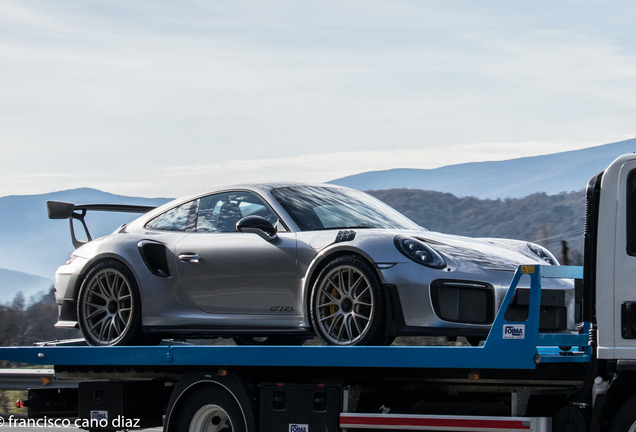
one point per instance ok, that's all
(514, 178)
(31, 243)
(12, 282)
(541, 218)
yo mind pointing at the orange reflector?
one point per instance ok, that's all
(46, 381)
(474, 376)
(222, 372)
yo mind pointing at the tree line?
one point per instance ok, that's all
(544, 219)
(25, 322)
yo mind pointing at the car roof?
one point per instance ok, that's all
(263, 188)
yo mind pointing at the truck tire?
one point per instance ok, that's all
(570, 419)
(347, 304)
(211, 409)
(625, 418)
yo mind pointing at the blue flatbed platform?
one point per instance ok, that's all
(510, 345)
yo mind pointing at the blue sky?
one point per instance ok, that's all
(159, 98)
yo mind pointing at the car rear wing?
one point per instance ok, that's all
(64, 210)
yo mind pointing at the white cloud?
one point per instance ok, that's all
(330, 166)
(118, 93)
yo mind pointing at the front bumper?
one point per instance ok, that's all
(458, 303)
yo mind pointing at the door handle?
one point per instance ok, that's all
(190, 257)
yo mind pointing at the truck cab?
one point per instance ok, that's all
(610, 257)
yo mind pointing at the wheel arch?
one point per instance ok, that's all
(324, 258)
(189, 383)
(98, 260)
(94, 262)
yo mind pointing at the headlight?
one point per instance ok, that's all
(543, 253)
(419, 252)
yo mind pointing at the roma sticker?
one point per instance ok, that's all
(527, 269)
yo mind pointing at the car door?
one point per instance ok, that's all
(228, 272)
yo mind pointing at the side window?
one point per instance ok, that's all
(182, 218)
(221, 212)
(631, 213)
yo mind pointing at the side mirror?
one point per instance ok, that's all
(258, 225)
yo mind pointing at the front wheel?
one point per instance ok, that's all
(347, 305)
(108, 306)
(211, 409)
(625, 418)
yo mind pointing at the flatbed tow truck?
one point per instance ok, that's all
(519, 379)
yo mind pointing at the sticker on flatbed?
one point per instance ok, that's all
(99, 415)
(298, 428)
(514, 331)
(527, 269)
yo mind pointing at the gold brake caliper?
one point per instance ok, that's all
(334, 308)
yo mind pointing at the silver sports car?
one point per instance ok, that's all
(279, 263)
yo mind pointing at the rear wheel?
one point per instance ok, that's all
(347, 305)
(108, 306)
(211, 409)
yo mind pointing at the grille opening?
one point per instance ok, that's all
(463, 301)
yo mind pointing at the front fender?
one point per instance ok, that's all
(323, 258)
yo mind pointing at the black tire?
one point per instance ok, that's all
(269, 340)
(347, 304)
(571, 419)
(109, 307)
(211, 409)
(625, 418)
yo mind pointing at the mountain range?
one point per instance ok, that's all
(30, 285)
(514, 178)
(32, 246)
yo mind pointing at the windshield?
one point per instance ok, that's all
(321, 207)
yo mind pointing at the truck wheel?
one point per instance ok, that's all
(211, 409)
(625, 418)
(347, 306)
(570, 419)
(108, 306)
